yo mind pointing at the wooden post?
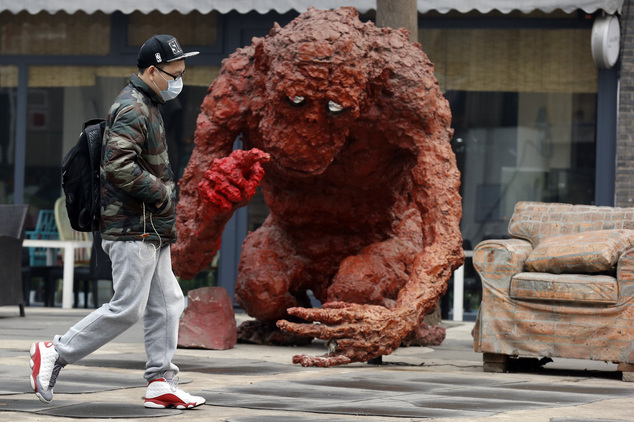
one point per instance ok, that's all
(398, 14)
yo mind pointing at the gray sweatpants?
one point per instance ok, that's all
(142, 288)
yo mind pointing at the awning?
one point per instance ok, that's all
(283, 6)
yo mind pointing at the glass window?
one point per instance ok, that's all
(524, 113)
(8, 98)
(61, 98)
(524, 109)
(61, 33)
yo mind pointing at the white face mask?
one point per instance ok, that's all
(174, 87)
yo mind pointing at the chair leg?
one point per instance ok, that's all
(49, 291)
(494, 362)
(628, 371)
(86, 292)
(76, 293)
(26, 286)
(95, 293)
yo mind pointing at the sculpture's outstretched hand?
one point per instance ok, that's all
(355, 333)
(231, 181)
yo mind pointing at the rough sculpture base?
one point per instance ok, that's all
(209, 321)
(257, 332)
(425, 335)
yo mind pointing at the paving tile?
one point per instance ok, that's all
(109, 411)
(391, 408)
(293, 391)
(409, 394)
(286, 418)
(72, 381)
(252, 401)
(433, 386)
(239, 367)
(112, 361)
(458, 402)
(31, 404)
(360, 382)
(572, 389)
(510, 395)
(586, 420)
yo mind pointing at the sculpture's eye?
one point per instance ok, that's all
(333, 107)
(296, 100)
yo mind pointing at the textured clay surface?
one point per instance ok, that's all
(353, 135)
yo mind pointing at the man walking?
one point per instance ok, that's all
(138, 213)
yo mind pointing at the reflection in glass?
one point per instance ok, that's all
(57, 107)
(8, 103)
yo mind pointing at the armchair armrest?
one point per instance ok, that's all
(497, 260)
(625, 275)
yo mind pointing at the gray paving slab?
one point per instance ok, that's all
(114, 361)
(285, 418)
(258, 383)
(30, 404)
(192, 364)
(108, 411)
(71, 381)
(585, 420)
(393, 409)
(487, 405)
(402, 394)
(88, 410)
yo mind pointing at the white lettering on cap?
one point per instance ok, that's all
(175, 46)
(159, 59)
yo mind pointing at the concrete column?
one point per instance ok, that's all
(398, 14)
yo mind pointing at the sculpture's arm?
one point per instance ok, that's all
(198, 240)
(436, 186)
(216, 181)
(421, 123)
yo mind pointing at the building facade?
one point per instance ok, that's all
(534, 117)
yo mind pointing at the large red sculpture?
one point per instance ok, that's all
(348, 124)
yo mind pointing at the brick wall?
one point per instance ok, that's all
(624, 183)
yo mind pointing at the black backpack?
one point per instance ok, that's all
(80, 177)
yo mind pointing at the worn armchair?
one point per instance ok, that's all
(12, 219)
(562, 286)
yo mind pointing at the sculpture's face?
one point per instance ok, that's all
(310, 107)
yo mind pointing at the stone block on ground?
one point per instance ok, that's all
(209, 321)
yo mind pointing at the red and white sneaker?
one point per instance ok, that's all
(163, 393)
(45, 367)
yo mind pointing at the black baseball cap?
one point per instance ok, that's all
(161, 49)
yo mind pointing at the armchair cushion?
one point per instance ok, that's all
(586, 252)
(574, 288)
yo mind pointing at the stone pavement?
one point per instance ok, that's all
(251, 383)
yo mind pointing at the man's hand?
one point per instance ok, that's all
(231, 181)
(355, 333)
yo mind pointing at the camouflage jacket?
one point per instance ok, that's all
(135, 169)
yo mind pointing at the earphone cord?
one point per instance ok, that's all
(146, 234)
